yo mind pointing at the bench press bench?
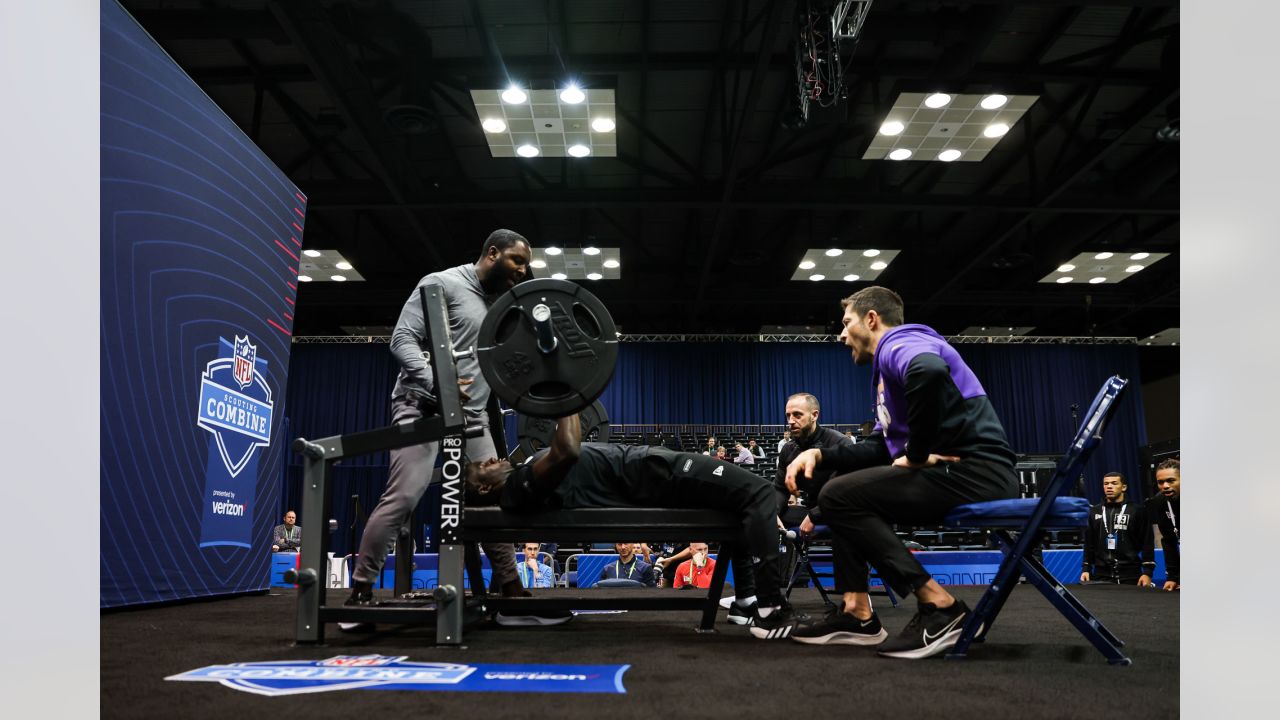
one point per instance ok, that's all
(491, 524)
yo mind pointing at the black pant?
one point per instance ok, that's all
(862, 506)
(697, 481)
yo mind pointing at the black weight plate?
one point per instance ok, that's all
(535, 433)
(570, 377)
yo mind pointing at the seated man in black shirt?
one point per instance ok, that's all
(573, 474)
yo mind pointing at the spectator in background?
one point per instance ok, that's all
(802, 412)
(744, 456)
(287, 537)
(711, 447)
(720, 454)
(1118, 543)
(1163, 510)
(533, 572)
(786, 438)
(697, 570)
(664, 570)
(848, 435)
(628, 566)
(755, 449)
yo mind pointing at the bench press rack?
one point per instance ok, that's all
(459, 526)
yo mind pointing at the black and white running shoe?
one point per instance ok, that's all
(748, 615)
(777, 625)
(840, 628)
(932, 631)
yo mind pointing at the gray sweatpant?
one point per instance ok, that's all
(410, 474)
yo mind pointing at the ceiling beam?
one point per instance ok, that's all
(314, 35)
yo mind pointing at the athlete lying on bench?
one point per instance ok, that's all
(571, 474)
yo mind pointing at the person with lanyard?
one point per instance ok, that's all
(1163, 510)
(1118, 543)
(802, 411)
(533, 572)
(938, 443)
(287, 537)
(696, 572)
(628, 566)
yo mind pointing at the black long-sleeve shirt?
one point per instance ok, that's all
(1134, 554)
(1165, 514)
(822, 438)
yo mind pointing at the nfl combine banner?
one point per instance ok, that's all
(200, 240)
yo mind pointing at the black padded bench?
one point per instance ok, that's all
(491, 524)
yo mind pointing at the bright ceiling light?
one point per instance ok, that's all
(611, 264)
(579, 150)
(807, 265)
(1064, 280)
(817, 278)
(1096, 280)
(948, 155)
(994, 102)
(834, 252)
(514, 95)
(559, 276)
(995, 130)
(304, 278)
(553, 250)
(892, 127)
(311, 253)
(937, 100)
(1134, 268)
(594, 276)
(337, 278)
(850, 278)
(572, 95)
(493, 125)
(602, 125)
(344, 265)
(538, 264)
(900, 154)
(591, 250)
(879, 265)
(870, 252)
(1103, 256)
(527, 151)
(1066, 268)
(1139, 256)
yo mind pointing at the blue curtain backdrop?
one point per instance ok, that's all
(344, 388)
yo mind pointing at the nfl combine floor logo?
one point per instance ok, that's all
(387, 672)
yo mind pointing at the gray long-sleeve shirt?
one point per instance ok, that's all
(466, 304)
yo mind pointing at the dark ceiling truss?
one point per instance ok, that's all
(726, 180)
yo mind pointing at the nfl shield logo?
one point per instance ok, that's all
(246, 356)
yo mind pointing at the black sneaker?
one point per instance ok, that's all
(360, 597)
(748, 615)
(930, 632)
(541, 619)
(840, 628)
(778, 624)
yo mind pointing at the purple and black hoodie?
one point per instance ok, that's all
(927, 401)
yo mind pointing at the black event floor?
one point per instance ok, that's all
(1034, 664)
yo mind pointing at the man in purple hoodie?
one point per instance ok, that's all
(937, 443)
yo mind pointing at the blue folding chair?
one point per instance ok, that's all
(1029, 518)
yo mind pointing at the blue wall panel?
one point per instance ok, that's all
(200, 235)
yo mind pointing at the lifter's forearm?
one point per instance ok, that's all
(567, 442)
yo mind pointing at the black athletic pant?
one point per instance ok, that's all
(678, 479)
(861, 508)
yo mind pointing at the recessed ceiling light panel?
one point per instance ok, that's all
(1099, 268)
(545, 121)
(848, 265)
(974, 124)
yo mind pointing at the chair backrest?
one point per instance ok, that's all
(619, 582)
(1086, 439)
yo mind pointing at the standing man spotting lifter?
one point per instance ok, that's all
(468, 291)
